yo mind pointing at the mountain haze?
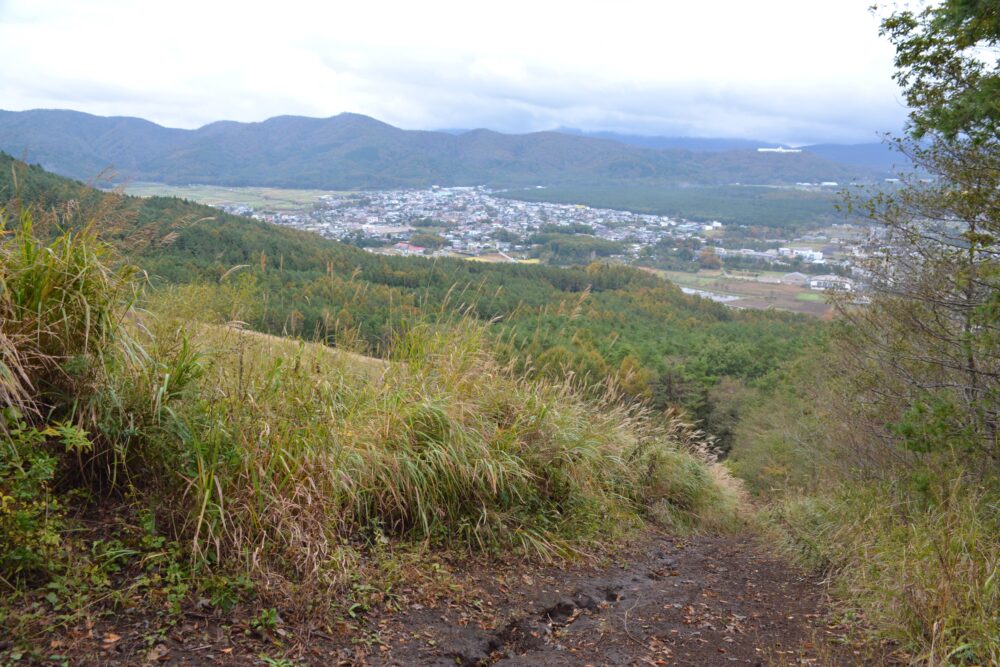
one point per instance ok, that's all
(351, 151)
(874, 156)
(700, 144)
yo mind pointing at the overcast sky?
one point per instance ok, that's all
(797, 71)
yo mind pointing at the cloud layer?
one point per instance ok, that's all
(797, 71)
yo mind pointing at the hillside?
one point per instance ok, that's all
(176, 487)
(155, 465)
(350, 151)
(482, 431)
(596, 322)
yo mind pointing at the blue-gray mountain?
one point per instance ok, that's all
(876, 156)
(352, 151)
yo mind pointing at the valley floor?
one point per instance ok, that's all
(703, 600)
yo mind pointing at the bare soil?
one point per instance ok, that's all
(671, 601)
(703, 600)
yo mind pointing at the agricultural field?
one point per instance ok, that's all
(278, 200)
(757, 290)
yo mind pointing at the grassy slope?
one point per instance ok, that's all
(910, 539)
(153, 463)
(293, 282)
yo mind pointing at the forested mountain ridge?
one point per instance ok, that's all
(351, 151)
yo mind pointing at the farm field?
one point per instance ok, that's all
(260, 198)
(759, 291)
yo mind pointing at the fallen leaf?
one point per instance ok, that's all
(157, 653)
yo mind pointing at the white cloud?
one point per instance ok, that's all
(791, 70)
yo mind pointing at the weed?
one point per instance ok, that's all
(924, 576)
(266, 620)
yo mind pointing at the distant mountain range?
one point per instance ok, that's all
(351, 151)
(700, 144)
(875, 156)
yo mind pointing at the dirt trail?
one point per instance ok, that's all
(674, 601)
(694, 601)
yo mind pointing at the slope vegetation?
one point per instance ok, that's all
(159, 463)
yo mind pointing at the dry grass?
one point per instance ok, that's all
(922, 574)
(287, 460)
(300, 448)
(911, 540)
(61, 310)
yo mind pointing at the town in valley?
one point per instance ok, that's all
(735, 264)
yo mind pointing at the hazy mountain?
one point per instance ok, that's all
(81, 145)
(354, 151)
(873, 156)
(701, 144)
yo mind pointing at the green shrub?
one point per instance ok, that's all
(31, 516)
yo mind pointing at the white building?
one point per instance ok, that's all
(831, 282)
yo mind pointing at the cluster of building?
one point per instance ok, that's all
(823, 283)
(475, 221)
(469, 219)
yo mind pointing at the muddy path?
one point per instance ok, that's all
(660, 600)
(670, 601)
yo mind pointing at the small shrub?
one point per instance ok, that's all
(31, 516)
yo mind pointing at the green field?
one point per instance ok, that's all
(269, 199)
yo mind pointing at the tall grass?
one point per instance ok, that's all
(922, 574)
(296, 448)
(69, 353)
(911, 541)
(286, 459)
(62, 306)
